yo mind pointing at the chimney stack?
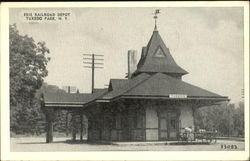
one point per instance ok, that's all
(132, 62)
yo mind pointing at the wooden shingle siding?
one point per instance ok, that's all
(119, 124)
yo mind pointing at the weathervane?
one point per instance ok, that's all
(157, 11)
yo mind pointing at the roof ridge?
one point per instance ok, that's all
(167, 85)
(66, 93)
(118, 79)
(130, 83)
(98, 97)
(136, 84)
(187, 83)
(100, 88)
(201, 88)
(139, 83)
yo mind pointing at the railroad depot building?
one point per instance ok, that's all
(152, 104)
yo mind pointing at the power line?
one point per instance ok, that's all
(92, 54)
(242, 93)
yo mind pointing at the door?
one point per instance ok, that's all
(163, 125)
(168, 125)
(172, 125)
(163, 130)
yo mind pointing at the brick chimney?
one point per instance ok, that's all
(132, 62)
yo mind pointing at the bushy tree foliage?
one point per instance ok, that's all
(27, 66)
(227, 119)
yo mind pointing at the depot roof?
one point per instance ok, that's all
(157, 85)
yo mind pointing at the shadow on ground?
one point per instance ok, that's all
(42, 142)
(69, 142)
(86, 142)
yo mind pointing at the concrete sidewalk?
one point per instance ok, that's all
(148, 143)
(231, 138)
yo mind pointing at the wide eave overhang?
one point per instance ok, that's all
(69, 101)
(203, 101)
(105, 99)
(64, 105)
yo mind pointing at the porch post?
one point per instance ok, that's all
(194, 118)
(73, 127)
(67, 124)
(144, 126)
(81, 130)
(49, 125)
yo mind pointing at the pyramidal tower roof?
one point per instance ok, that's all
(156, 58)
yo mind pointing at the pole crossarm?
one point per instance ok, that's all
(87, 58)
(87, 67)
(100, 63)
(91, 55)
(87, 62)
(98, 55)
(95, 63)
(93, 58)
(91, 67)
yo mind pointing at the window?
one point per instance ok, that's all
(139, 120)
(118, 121)
(172, 124)
(113, 121)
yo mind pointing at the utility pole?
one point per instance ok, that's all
(95, 60)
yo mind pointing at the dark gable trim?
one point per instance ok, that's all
(73, 103)
(62, 105)
(188, 98)
(205, 98)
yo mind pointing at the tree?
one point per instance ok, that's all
(239, 120)
(28, 62)
(227, 119)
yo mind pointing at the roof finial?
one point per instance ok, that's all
(157, 11)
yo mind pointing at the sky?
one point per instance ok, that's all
(206, 42)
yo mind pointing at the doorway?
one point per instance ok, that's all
(168, 125)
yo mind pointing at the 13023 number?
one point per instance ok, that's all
(224, 146)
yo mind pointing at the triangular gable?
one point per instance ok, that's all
(159, 53)
(164, 85)
(116, 83)
(154, 44)
(156, 48)
(126, 85)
